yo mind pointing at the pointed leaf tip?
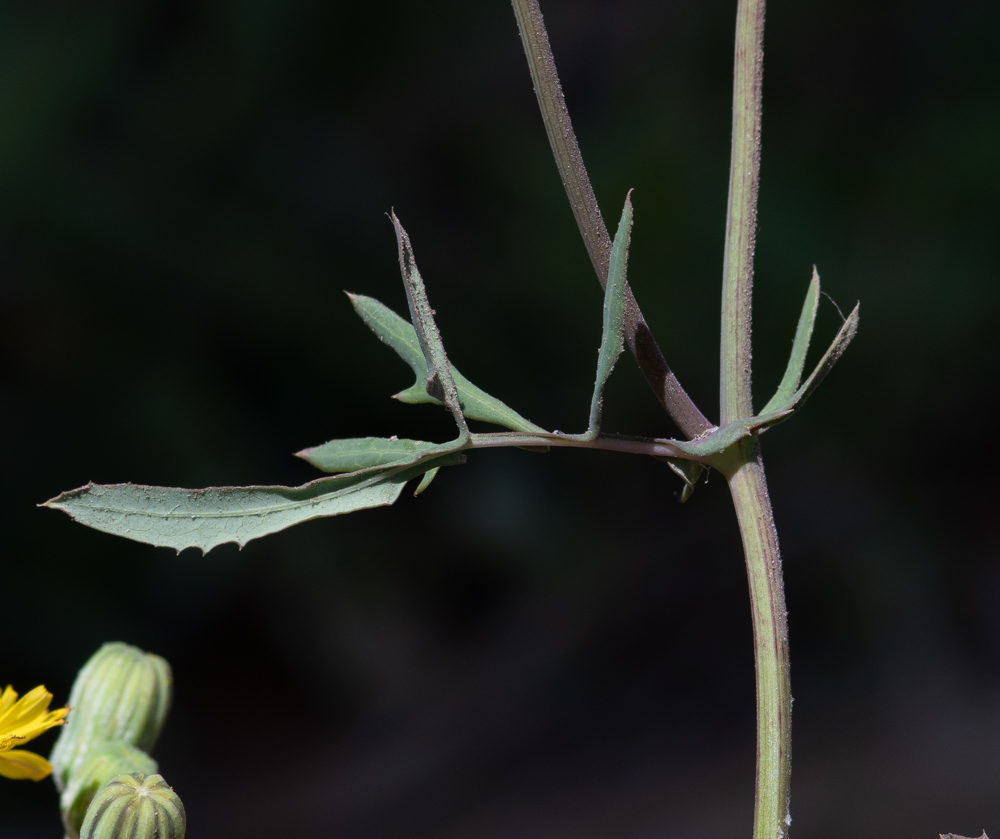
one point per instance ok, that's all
(425, 481)
(393, 330)
(800, 347)
(206, 518)
(791, 395)
(844, 337)
(440, 383)
(612, 337)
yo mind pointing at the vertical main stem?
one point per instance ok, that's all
(742, 464)
(741, 218)
(748, 487)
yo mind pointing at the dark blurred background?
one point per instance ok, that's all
(540, 646)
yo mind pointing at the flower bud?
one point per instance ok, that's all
(137, 806)
(103, 762)
(121, 694)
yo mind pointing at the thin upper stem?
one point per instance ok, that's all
(741, 218)
(566, 150)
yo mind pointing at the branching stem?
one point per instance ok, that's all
(661, 379)
(741, 463)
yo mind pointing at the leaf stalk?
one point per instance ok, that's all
(605, 442)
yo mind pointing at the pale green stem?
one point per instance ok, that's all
(742, 465)
(741, 218)
(748, 486)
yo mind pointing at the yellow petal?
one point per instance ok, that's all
(39, 725)
(23, 708)
(25, 718)
(7, 699)
(20, 765)
(8, 741)
(29, 716)
(32, 704)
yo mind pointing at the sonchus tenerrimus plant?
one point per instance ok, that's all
(371, 472)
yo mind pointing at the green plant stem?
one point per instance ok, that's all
(559, 127)
(610, 443)
(742, 464)
(741, 217)
(748, 486)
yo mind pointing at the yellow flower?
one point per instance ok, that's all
(23, 720)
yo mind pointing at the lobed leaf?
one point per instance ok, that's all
(612, 335)
(476, 404)
(206, 518)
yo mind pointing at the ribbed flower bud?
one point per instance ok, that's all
(137, 807)
(104, 761)
(121, 694)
